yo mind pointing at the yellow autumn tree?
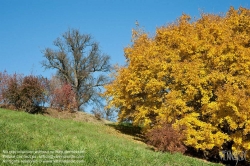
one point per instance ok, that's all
(194, 73)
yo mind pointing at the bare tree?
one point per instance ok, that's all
(79, 61)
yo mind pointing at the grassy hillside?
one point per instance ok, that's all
(62, 140)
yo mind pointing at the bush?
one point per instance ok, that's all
(11, 92)
(3, 82)
(26, 93)
(32, 93)
(63, 98)
(166, 138)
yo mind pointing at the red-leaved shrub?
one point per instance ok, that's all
(63, 98)
(166, 139)
(26, 93)
(11, 92)
(4, 77)
(32, 92)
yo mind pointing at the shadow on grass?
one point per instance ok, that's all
(32, 110)
(137, 134)
(129, 129)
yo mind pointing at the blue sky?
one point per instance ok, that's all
(29, 26)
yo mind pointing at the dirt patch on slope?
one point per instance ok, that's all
(77, 116)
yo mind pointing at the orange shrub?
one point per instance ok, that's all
(166, 138)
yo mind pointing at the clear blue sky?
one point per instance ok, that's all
(29, 26)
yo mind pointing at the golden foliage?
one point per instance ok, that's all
(192, 73)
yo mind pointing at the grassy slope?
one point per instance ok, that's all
(102, 145)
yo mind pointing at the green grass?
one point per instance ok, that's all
(102, 145)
